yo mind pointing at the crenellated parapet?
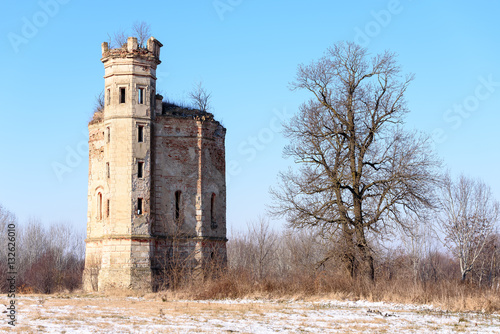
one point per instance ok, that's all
(131, 49)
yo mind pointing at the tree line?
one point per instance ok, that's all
(48, 258)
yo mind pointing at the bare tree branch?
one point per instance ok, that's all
(142, 31)
(200, 97)
(117, 39)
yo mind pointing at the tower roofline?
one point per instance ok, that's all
(131, 49)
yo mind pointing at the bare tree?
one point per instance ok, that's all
(99, 102)
(268, 254)
(98, 112)
(487, 269)
(306, 250)
(265, 239)
(359, 172)
(470, 214)
(417, 239)
(33, 240)
(142, 31)
(239, 251)
(117, 39)
(200, 97)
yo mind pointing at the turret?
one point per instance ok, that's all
(120, 216)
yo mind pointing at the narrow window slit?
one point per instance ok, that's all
(99, 206)
(140, 169)
(140, 133)
(141, 96)
(122, 95)
(213, 221)
(139, 206)
(178, 194)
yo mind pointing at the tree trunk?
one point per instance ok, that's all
(464, 274)
(349, 257)
(366, 262)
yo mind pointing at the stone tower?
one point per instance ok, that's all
(157, 192)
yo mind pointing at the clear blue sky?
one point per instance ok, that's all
(246, 52)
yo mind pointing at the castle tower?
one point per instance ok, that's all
(156, 195)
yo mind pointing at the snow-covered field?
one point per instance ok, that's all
(71, 314)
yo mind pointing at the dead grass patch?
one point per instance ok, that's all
(449, 295)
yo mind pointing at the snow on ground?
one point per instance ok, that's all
(96, 314)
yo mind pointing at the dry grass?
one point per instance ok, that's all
(448, 295)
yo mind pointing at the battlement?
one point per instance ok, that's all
(132, 49)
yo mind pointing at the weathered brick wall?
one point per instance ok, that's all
(213, 180)
(96, 186)
(175, 168)
(189, 157)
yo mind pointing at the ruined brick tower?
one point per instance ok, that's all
(157, 189)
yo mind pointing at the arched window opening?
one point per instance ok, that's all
(99, 206)
(213, 218)
(178, 197)
(212, 208)
(108, 96)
